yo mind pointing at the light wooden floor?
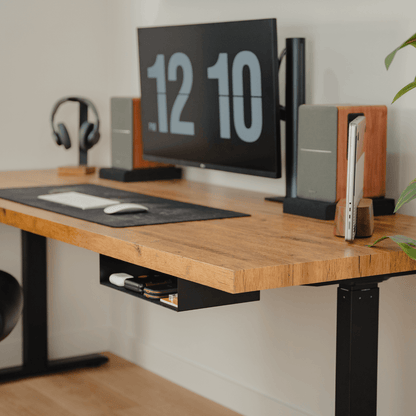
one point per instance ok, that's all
(118, 388)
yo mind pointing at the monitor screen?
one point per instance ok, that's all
(210, 96)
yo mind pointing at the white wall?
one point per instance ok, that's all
(50, 49)
(273, 357)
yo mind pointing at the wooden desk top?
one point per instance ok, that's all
(267, 250)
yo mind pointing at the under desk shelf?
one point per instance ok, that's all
(190, 295)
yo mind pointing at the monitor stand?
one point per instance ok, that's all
(295, 96)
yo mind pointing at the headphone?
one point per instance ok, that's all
(88, 132)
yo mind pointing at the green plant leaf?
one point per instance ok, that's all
(407, 195)
(407, 244)
(402, 239)
(404, 90)
(390, 56)
(398, 239)
(377, 241)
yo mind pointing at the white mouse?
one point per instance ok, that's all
(125, 208)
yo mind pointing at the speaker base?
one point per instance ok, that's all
(326, 210)
(141, 175)
(383, 206)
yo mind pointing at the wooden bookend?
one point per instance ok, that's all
(365, 218)
(375, 148)
(75, 170)
(137, 151)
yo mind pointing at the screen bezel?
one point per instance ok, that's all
(274, 85)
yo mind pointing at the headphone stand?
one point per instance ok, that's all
(82, 169)
(75, 170)
(83, 116)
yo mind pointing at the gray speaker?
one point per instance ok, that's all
(126, 135)
(122, 133)
(322, 151)
(317, 153)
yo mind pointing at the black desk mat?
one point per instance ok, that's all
(161, 211)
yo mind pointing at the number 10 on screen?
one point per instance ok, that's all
(219, 71)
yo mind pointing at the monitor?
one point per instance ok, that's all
(210, 96)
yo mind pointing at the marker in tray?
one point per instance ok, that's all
(171, 300)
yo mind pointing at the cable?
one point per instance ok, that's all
(280, 58)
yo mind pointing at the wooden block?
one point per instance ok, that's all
(75, 170)
(138, 161)
(365, 218)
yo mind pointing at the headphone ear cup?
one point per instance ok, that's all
(63, 136)
(93, 138)
(84, 131)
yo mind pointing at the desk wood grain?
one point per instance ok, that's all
(268, 250)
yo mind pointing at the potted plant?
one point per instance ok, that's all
(407, 244)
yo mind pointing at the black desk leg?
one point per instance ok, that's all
(357, 348)
(35, 341)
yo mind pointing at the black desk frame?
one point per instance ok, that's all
(357, 333)
(357, 344)
(35, 331)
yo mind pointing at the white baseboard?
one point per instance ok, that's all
(10, 353)
(88, 341)
(204, 381)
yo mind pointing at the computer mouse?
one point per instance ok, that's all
(125, 208)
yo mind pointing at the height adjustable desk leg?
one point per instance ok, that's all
(357, 348)
(35, 342)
